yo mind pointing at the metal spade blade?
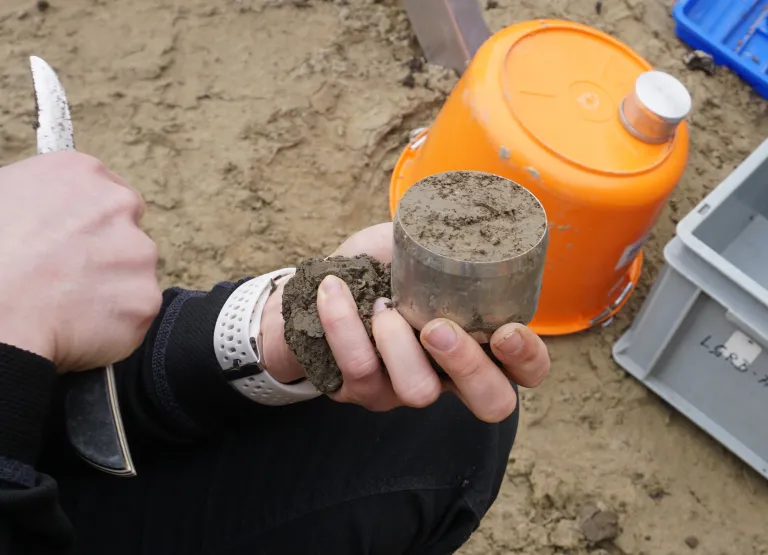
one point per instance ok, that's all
(449, 31)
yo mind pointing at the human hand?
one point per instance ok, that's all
(78, 284)
(409, 380)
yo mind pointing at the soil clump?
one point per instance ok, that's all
(367, 279)
(472, 216)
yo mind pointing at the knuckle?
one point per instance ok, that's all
(463, 367)
(361, 365)
(499, 410)
(127, 200)
(336, 318)
(150, 251)
(86, 162)
(422, 395)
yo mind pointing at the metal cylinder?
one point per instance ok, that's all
(655, 107)
(480, 290)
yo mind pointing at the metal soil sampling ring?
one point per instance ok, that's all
(470, 247)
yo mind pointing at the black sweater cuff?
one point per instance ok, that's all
(27, 382)
(172, 388)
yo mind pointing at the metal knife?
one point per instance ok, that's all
(93, 420)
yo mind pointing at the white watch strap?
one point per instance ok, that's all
(237, 342)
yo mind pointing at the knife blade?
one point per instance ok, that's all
(93, 420)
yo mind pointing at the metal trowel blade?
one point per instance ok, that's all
(449, 31)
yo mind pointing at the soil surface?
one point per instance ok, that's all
(264, 132)
(472, 216)
(367, 278)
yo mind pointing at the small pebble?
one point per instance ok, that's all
(43, 5)
(700, 60)
(692, 542)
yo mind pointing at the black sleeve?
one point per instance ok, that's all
(171, 390)
(31, 520)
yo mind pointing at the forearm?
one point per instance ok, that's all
(171, 390)
(31, 520)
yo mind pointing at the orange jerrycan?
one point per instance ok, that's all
(586, 125)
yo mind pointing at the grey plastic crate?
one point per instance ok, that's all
(701, 343)
(729, 227)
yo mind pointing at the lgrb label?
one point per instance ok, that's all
(742, 346)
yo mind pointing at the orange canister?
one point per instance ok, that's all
(586, 125)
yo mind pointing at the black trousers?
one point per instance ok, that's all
(313, 478)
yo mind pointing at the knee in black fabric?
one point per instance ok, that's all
(316, 478)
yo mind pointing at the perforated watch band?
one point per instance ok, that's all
(237, 342)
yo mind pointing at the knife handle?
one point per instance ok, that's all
(94, 422)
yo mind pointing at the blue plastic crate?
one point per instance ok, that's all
(733, 32)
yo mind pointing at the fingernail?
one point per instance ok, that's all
(442, 336)
(331, 285)
(512, 343)
(381, 305)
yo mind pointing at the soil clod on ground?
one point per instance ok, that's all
(598, 525)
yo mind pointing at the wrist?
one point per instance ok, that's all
(278, 358)
(27, 383)
(239, 345)
(20, 336)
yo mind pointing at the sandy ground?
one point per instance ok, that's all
(264, 131)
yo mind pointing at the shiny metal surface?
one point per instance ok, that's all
(479, 296)
(449, 31)
(54, 123)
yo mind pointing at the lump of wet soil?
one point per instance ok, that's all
(473, 216)
(367, 278)
(598, 525)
